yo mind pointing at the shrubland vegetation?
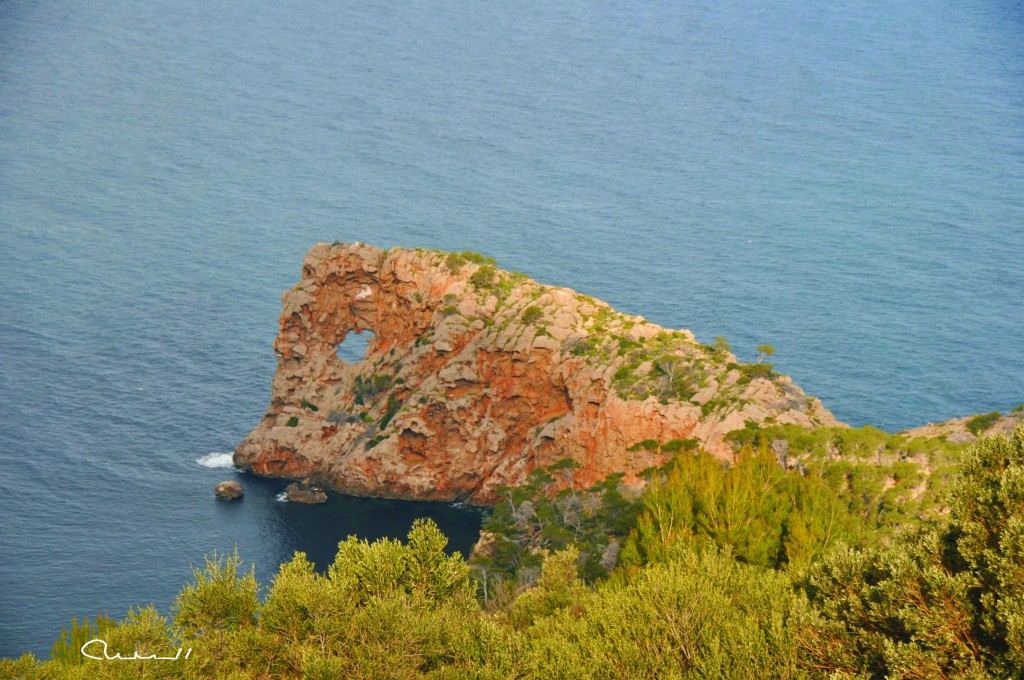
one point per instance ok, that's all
(885, 479)
(551, 513)
(761, 513)
(752, 570)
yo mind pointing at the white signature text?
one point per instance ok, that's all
(134, 657)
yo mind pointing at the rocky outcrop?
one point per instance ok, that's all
(969, 429)
(475, 376)
(305, 493)
(229, 490)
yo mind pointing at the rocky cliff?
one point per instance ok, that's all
(474, 376)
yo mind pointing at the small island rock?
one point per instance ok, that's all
(305, 493)
(229, 490)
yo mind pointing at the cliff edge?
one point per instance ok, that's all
(475, 376)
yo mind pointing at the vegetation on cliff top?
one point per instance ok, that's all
(753, 571)
(670, 365)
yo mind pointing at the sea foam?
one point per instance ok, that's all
(217, 460)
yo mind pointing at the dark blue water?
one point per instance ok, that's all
(844, 181)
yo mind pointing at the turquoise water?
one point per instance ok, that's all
(841, 180)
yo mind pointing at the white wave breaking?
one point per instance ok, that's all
(216, 460)
(282, 497)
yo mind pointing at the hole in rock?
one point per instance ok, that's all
(355, 346)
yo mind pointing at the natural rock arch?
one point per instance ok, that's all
(475, 376)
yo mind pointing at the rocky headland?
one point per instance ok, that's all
(475, 376)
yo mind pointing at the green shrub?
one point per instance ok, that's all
(484, 277)
(673, 446)
(387, 567)
(144, 631)
(627, 344)
(695, 616)
(675, 372)
(764, 514)
(877, 475)
(67, 648)
(945, 600)
(747, 436)
(366, 389)
(710, 406)
(531, 314)
(559, 587)
(218, 599)
(583, 347)
(721, 348)
(293, 421)
(751, 371)
(454, 262)
(550, 512)
(393, 407)
(477, 258)
(980, 423)
(624, 375)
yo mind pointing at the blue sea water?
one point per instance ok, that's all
(843, 180)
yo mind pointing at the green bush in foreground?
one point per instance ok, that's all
(693, 616)
(762, 513)
(944, 599)
(888, 480)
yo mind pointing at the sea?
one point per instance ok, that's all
(841, 180)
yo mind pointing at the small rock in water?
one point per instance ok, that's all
(229, 490)
(305, 493)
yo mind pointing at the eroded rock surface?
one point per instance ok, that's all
(475, 376)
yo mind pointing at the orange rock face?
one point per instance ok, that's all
(475, 376)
